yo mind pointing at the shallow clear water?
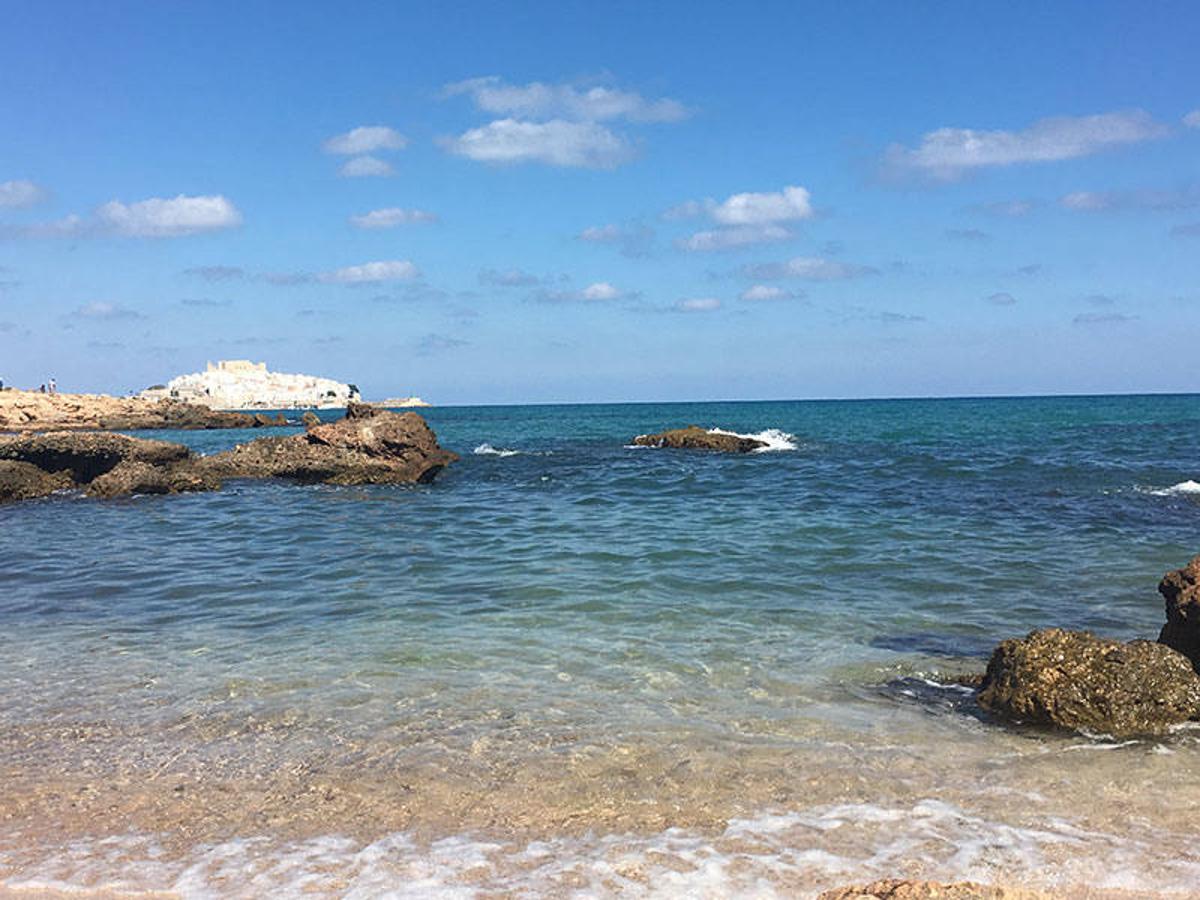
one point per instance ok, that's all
(594, 669)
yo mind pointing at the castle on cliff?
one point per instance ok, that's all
(242, 384)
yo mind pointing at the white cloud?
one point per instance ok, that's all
(765, 292)
(601, 290)
(733, 237)
(698, 304)
(366, 167)
(810, 268)
(365, 139)
(1003, 298)
(633, 241)
(948, 153)
(538, 100)
(168, 217)
(1011, 209)
(1192, 119)
(20, 194)
(556, 142)
(391, 217)
(601, 234)
(100, 309)
(507, 278)
(596, 292)
(371, 273)
(787, 205)
(689, 209)
(1153, 200)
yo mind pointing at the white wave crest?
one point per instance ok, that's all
(486, 449)
(774, 438)
(1184, 487)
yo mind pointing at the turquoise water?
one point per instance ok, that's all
(567, 642)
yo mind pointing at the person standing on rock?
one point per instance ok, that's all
(53, 386)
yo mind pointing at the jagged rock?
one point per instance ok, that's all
(24, 481)
(696, 438)
(262, 420)
(1181, 591)
(1076, 680)
(310, 419)
(368, 446)
(142, 478)
(86, 455)
(904, 889)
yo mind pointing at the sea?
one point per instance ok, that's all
(572, 667)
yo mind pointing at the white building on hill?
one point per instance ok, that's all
(241, 384)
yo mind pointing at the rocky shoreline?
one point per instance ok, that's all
(22, 411)
(368, 446)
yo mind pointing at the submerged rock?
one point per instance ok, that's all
(904, 889)
(1075, 680)
(368, 446)
(1181, 592)
(696, 438)
(24, 481)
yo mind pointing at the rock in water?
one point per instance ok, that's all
(87, 454)
(368, 446)
(143, 478)
(1181, 591)
(310, 419)
(108, 465)
(1076, 680)
(24, 481)
(696, 438)
(904, 889)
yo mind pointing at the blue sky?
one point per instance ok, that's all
(592, 202)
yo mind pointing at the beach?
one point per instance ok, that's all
(577, 667)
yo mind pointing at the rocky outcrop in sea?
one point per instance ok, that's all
(367, 447)
(696, 438)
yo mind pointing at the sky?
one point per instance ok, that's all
(586, 202)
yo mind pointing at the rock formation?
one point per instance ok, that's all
(696, 438)
(1181, 591)
(34, 411)
(368, 446)
(1073, 679)
(904, 889)
(105, 465)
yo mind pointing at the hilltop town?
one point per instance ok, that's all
(242, 384)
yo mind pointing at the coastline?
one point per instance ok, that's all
(22, 411)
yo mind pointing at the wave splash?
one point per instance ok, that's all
(775, 439)
(486, 449)
(1188, 487)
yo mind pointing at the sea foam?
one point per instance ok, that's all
(1184, 487)
(774, 438)
(486, 449)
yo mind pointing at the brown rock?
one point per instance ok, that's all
(310, 419)
(262, 420)
(1181, 591)
(1073, 679)
(34, 411)
(144, 478)
(24, 481)
(903, 889)
(368, 446)
(87, 454)
(696, 438)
